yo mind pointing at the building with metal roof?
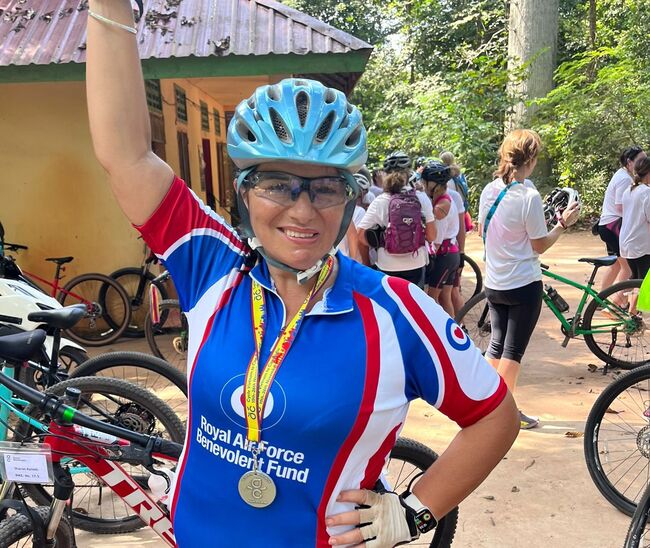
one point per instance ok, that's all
(199, 57)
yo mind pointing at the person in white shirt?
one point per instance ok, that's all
(409, 266)
(635, 229)
(350, 244)
(515, 233)
(609, 225)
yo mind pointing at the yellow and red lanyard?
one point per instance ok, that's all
(257, 387)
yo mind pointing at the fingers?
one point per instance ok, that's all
(353, 537)
(354, 517)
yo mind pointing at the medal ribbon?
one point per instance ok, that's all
(257, 387)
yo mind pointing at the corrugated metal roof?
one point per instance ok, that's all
(43, 32)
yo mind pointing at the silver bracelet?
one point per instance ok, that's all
(108, 21)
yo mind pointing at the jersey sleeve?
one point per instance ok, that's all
(442, 365)
(196, 245)
(427, 207)
(372, 217)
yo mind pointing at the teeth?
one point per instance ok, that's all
(293, 234)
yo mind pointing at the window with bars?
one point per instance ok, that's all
(154, 95)
(217, 122)
(181, 104)
(205, 117)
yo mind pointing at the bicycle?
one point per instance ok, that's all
(168, 338)
(136, 281)
(617, 439)
(637, 536)
(471, 281)
(98, 293)
(117, 402)
(614, 333)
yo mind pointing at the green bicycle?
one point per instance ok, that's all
(612, 329)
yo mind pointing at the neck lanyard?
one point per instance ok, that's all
(256, 389)
(493, 209)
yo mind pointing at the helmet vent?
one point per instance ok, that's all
(325, 128)
(302, 106)
(251, 102)
(354, 138)
(350, 108)
(300, 83)
(245, 133)
(330, 96)
(279, 126)
(345, 121)
(273, 93)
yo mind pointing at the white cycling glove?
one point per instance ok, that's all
(385, 521)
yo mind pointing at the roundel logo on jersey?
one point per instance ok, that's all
(232, 402)
(456, 336)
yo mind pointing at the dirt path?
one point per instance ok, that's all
(541, 495)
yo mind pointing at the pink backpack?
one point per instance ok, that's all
(404, 232)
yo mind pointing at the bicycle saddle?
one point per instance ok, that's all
(60, 260)
(600, 261)
(22, 346)
(60, 318)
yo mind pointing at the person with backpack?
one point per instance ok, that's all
(394, 222)
(445, 253)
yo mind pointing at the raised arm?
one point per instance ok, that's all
(119, 118)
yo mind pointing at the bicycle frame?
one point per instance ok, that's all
(68, 441)
(572, 326)
(63, 440)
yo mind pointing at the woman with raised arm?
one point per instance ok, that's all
(301, 362)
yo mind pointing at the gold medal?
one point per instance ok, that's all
(257, 489)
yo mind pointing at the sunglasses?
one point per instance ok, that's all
(285, 189)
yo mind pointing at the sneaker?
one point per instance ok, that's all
(526, 422)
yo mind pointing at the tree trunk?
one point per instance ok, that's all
(532, 53)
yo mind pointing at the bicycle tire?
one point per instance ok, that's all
(71, 357)
(94, 329)
(129, 279)
(619, 358)
(168, 339)
(477, 274)
(629, 447)
(474, 319)
(19, 527)
(421, 457)
(145, 401)
(636, 536)
(149, 372)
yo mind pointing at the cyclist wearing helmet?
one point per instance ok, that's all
(396, 161)
(445, 255)
(635, 229)
(609, 225)
(511, 219)
(301, 364)
(350, 244)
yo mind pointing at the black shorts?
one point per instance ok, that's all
(442, 269)
(610, 237)
(513, 316)
(639, 267)
(415, 276)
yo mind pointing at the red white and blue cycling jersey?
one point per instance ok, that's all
(338, 402)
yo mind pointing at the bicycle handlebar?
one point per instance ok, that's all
(53, 406)
(14, 247)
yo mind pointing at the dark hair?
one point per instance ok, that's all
(395, 181)
(641, 169)
(630, 154)
(378, 177)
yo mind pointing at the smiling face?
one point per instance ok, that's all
(298, 235)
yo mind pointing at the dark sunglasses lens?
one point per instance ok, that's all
(285, 189)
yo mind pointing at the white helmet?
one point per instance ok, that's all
(362, 181)
(557, 201)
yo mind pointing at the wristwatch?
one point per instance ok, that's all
(424, 519)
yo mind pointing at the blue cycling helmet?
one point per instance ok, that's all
(297, 120)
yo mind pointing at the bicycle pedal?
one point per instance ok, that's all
(565, 342)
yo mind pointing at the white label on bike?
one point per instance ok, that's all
(26, 467)
(94, 435)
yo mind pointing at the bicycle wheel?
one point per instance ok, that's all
(474, 318)
(616, 330)
(17, 531)
(168, 339)
(137, 288)
(70, 358)
(638, 534)
(617, 439)
(151, 373)
(471, 281)
(96, 507)
(407, 459)
(102, 296)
